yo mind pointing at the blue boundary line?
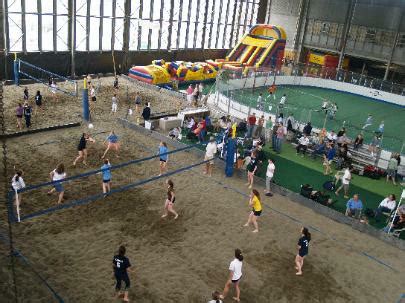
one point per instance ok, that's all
(100, 195)
(17, 253)
(295, 220)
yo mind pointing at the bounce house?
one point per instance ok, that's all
(262, 46)
(323, 65)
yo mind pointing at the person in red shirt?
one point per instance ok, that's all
(251, 125)
(201, 130)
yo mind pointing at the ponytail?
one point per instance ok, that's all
(18, 175)
(238, 254)
(216, 296)
(306, 233)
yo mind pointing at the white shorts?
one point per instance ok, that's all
(114, 107)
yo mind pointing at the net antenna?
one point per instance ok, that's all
(64, 85)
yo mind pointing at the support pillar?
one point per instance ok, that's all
(262, 11)
(301, 29)
(72, 35)
(349, 16)
(394, 43)
(125, 46)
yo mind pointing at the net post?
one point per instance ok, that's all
(85, 101)
(16, 70)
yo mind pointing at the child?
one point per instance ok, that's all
(27, 114)
(235, 274)
(171, 198)
(82, 148)
(256, 205)
(17, 183)
(121, 266)
(38, 100)
(114, 104)
(57, 175)
(25, 93)
(163, 157)
(19, 113)
(106, 177)
(303, 244)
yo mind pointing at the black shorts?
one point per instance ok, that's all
(107, 181)
(257, 213)
(38, 103)
(94, 99)
(19, 116)
(119, 277)
(302, 254)
(235, 281)
(162, 160)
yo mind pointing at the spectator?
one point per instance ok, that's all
(175, 133)
(281, 132)
(392, 170)
(354, 207)
(358, 142)
(251, 125)
(115, 84)
(332, 136)
(328, 158)
(259, 128)
(210, 151)
(190, 124)
(319, 149)
(386, 206)
(138, 102)
(19, 113)
(190, 96)
(342, 132)
(374, 145)
(38, 100)
(27, 114)
(200, 130)
(269, 176)
(146, 112)
(346, 178)
(25, 94)
(303, 143)
(215, 297)
(398, 223)
(307, 129)
(274, 136)
(259, 102)
(290, 121)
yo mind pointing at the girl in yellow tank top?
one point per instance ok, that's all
(256, 205)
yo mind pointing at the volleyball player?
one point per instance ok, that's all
(121, 267)
(235, 274)
(106, 172)
(17, 183)
(57, 175)
(171, 198)
(251, 169)
(112, 140)
(256, 205)
(163, 157)
(82, 148)
(303, 244)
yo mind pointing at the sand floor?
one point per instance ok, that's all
(182, 260)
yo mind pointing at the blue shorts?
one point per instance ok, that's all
(58, 187)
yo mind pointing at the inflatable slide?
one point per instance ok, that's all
(262, 47)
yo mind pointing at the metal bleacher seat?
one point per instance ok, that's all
(385, 157)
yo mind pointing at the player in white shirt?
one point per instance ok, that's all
(58, 174)
(17, 183)
(347, 177)
(269, 176)
(114, 104)
(303, 143)
(386, 205)
(235, 274)
(210, 152)
(215, 297)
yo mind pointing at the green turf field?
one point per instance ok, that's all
(352, 112)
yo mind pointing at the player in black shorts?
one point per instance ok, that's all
(303, 244)
(38, 100)
(82, 148)
(121, 266)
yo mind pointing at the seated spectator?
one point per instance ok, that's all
(303, 143)
(358, 142)
(354, 207)
(175, 133)
(342, 132)
(386, 206)
(190, 123)
(398, 223)
(332, 136)
(307, 129)
(374, 145)
(319, 149)
(342, 157)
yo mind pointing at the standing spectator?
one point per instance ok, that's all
(251, 125)
(114, 104)
(27, 114)
(210, 151)
(17, 183)
(307, 129)
(269, 177)
(346, 178)
(303, 244)
(163, 157)
(328, 158)
(57, 175)
(54, 91)
(386, 205)
(374, 145)
(358, 142)
(235, 274)
(121, 266)
(200, 89)
(274, 136)
(146, 112)
(369, 121)
(281, 132)
(190, 96)
(354, 207)
(19, 113)
(259, 129)
(138, 102)
(26, 94)
(303, 143)
(201, 130)
(392, 170)
(38, 100)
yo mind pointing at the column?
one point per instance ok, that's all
(349, 16)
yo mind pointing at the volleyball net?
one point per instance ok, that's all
(85, 188)
(40, 75)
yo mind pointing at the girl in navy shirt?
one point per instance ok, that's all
(82, 148)
(38, 100)
(121, 266)
(303, 244)
(163, 157)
